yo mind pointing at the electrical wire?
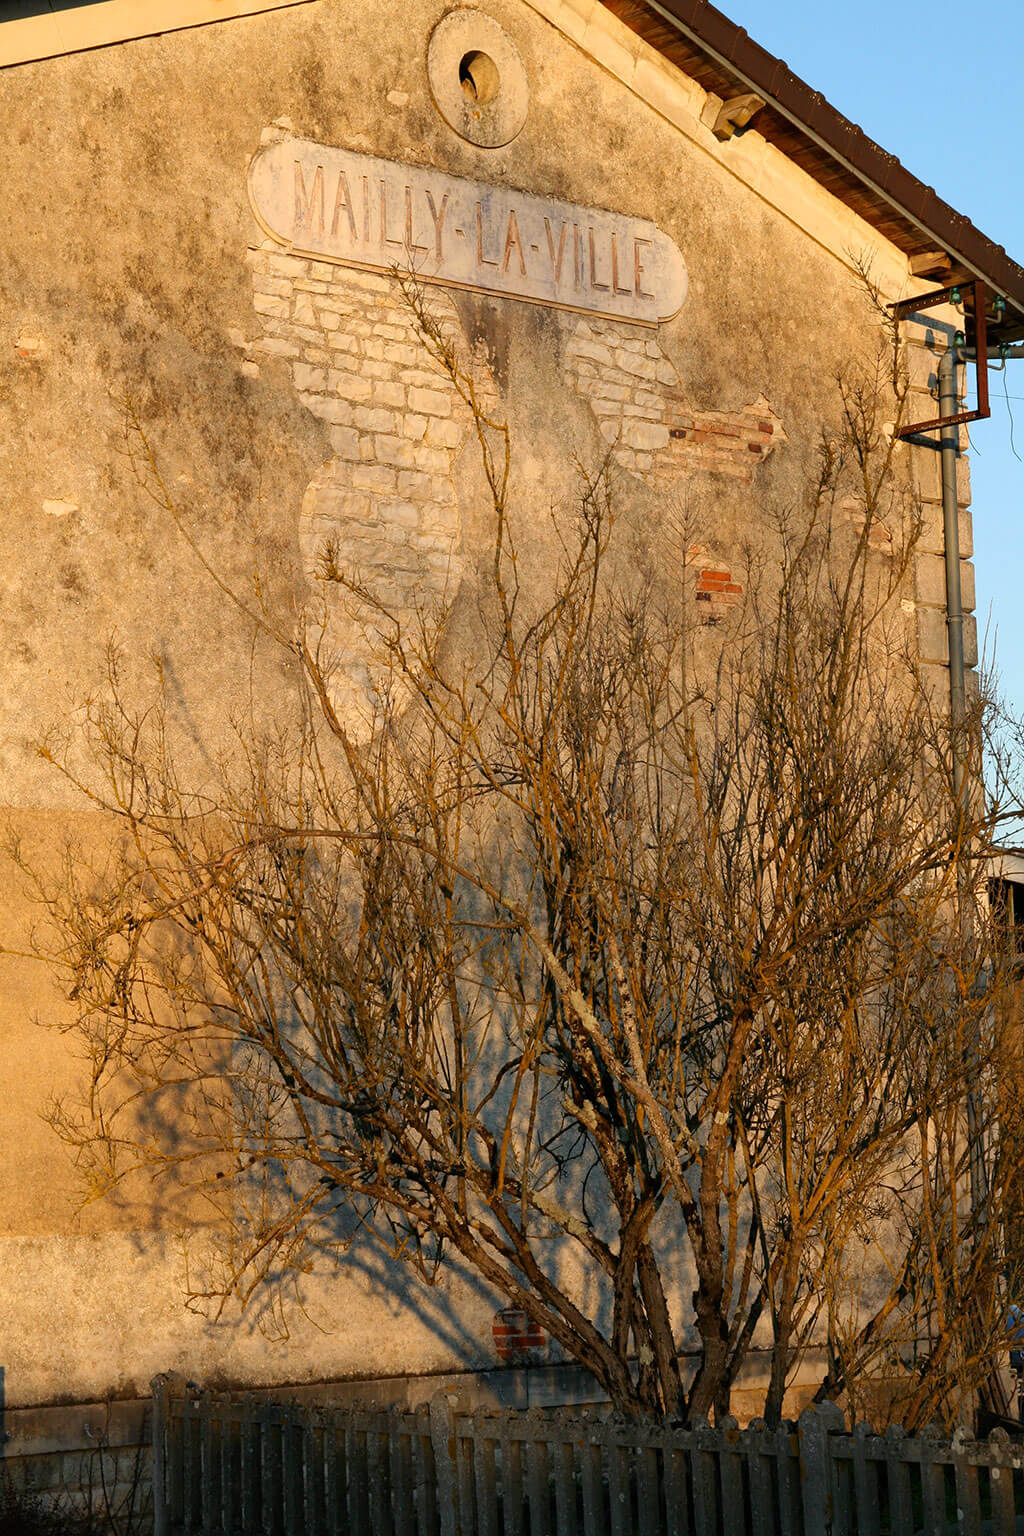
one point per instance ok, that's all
(972, 400)
(1009, 412)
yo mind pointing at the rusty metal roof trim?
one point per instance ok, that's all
(733, 49)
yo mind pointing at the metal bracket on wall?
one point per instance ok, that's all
(945, 296)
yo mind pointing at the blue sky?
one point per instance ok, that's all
(934, 85)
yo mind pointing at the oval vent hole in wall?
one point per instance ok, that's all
(479, 78)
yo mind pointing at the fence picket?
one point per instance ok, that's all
(295, 1523)
(464, 1479)
(1000, 1460)
(843, 1499)
(334, 1473)
(272, 1459)
(402, 1495)
(278, 1463)
(594, 1523)
(161, 1389)
(730, 1475)
(442, 1443)
(536, 1483)
(207, 1493)
(649, 1521)
(677, 1512)
(814, 1428)
(188, 1479)
(759, 1480)
(564, 1457)
(933, 1483)
(231, 1469)
(865, 1484)
(511, 1481)
(484, 1477)
(704, 1479)
(356, 1450)
(196, 1463)
(250, 1472)
(619, 1514)
(378, 1475)
(231, 1472)
(787, 1462)
(965, 1471)
(314, 1457)
(901, 1504)
(428, 1522)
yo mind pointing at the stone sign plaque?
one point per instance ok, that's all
(362, 211)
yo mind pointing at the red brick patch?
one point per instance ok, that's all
(517, 1338)
(717, 586)
(710, 441)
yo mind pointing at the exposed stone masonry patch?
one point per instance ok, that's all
(879, 535)
(385, 502)
(643, 411)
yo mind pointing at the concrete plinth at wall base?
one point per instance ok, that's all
(40, 1446)
(88, 1455)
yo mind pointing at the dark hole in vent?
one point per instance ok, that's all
(479, 78)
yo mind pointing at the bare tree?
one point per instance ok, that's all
(623, 961)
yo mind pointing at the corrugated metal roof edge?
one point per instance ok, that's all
(882, 173)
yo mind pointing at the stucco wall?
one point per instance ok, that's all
(285, 402)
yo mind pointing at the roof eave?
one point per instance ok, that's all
(882, 175)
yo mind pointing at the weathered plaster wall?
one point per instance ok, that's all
(286, 403)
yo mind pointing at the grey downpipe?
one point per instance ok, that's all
(951, 546)
(948, 404)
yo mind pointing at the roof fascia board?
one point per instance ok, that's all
(116, 21)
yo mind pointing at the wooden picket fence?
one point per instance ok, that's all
(229, 1467)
